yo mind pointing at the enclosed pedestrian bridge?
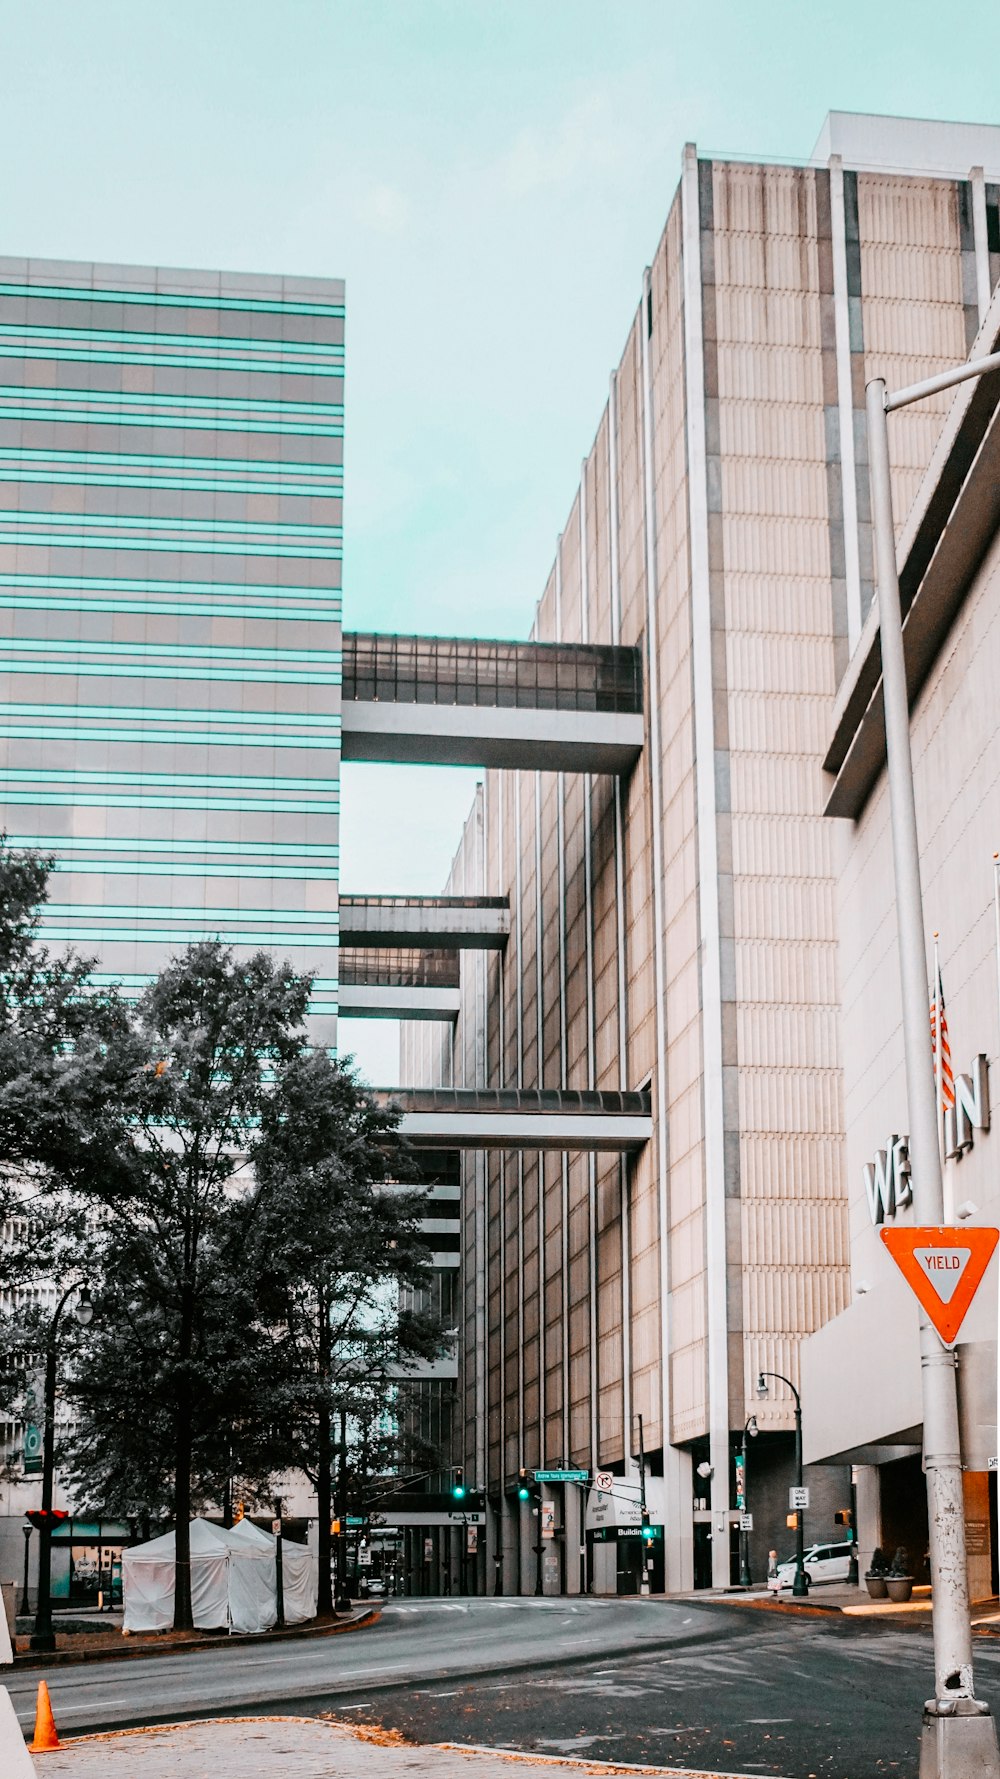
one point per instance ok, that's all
(507, 1118)
(540, 706)
(437, 923)
(399, 984)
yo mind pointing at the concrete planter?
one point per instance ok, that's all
(899, 1588)
(878, 1587)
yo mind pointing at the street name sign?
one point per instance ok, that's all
(798, 1499)
(578, 1476)
(944, 1268)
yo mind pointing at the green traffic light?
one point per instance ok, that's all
(458, 1491)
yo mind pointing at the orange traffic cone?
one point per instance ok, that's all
(45, 1736)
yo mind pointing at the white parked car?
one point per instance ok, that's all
(823, 1562)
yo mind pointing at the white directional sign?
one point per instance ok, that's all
(798, 1499)
(746, 1522)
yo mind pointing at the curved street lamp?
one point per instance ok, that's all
(43, 1636)
(800, 1586)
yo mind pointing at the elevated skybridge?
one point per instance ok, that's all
(506, 1118)
(437, 923)
(540, 706)
(399, 984)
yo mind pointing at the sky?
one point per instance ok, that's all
(490, 177)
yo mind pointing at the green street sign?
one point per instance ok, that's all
(579, 1476)
(355, 1519)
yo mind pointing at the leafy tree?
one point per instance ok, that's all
(176, 1357)
(342, 1259)
(66, 1065)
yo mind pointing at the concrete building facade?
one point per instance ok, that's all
(171, 464)
(949, 553)
(675, 927)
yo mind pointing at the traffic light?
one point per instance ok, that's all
(524, 1490)
(53, 1518)
(842, 1517)
(458, 1485)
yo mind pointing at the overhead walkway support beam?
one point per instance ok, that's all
(439, 701)
(478, 1118)
(440, 923)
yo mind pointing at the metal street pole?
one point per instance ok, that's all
(279, 1566)
(746, 1580)
(959, 1736)
(24, 1607)
(800, 1586)
(643, 1511)
(43, 1637)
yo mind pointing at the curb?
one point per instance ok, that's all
(69, 1658)
(583, 1766)
(603, 1768)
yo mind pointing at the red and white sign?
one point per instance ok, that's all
(944, 1269)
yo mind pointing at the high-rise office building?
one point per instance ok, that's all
(674, 928)
(171, 451)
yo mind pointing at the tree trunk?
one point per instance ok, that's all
(183, 1620)
(324, 1457)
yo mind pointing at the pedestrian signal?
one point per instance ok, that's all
(792, 1521)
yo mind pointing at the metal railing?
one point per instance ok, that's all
(519, 675)
(513, 1099)
(351, 904)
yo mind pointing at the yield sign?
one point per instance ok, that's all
(944, 1268)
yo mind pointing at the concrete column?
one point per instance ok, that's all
(551, 1565)
(868, 1498)
(526, 1556)
(981, 239)
(573, 1522)
(511, 1545)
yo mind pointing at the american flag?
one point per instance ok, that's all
(942, 1069)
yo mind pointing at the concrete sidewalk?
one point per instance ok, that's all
(301, 1748)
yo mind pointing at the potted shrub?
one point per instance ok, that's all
(899, 1578)
(875, 1575)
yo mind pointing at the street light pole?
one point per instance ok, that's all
(800, 1586)
(959, 1736)
(750, 1426)
(43, 1637)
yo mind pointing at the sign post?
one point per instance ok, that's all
(959, 1736)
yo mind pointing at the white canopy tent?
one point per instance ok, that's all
(233, 1580)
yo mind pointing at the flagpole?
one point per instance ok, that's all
(938, 1053)
(996, 924)
(947, 1176)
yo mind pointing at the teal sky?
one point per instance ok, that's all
(490, 177)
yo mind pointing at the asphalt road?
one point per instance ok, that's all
(411, 1645)
(674, 1683)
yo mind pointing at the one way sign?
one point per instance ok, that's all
(944, 1268)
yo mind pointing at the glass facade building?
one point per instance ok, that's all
(171, 486)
